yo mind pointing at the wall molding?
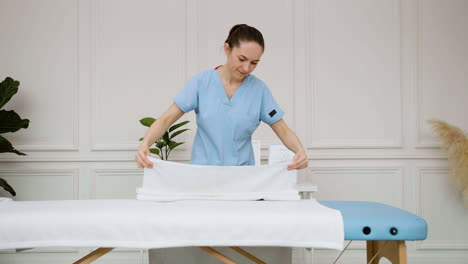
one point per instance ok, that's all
(394, 172)
(444, 244)
(74, 145)
(44, 172)
(421, 141)
(430, 244)
(96, 36)
(311, 81)
(111, 172)
(185, 156)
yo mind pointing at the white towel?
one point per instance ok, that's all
(5, 199)
(146, 224)
(170, 181)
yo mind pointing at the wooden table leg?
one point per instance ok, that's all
(93, 256)
(218, 255)
(102, 251)
(248, 255)
(393, 250)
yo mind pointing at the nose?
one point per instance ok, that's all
(245, 67)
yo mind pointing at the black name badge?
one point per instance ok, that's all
(272, 113)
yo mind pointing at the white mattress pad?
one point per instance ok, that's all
(147, 224)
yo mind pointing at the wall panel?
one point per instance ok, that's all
(443, 58)
(143, 43)
(40, 49)
(355, 94)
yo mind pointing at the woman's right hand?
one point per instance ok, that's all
(141, 157)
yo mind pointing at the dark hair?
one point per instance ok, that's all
(243, 32)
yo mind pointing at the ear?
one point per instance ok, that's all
(227, 50)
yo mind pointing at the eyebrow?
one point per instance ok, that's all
(244, 57)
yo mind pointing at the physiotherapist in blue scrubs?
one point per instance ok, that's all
(229, 103)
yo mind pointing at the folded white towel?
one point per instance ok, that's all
(170, 181)
(5, 199)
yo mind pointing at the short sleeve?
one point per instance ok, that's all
(270, 111)
(187, 98)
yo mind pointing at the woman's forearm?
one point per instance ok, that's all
(161, 125)
(287, 136)
(292, 142)
(155, 132)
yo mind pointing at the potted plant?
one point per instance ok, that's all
(165, 144)
(10, 121)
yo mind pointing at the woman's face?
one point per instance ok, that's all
(242, 60)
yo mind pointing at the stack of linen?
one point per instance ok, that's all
(171, 181)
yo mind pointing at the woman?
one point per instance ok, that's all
(229, 103)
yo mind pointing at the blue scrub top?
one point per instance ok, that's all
(225, 126)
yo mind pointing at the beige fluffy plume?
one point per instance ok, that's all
(455, 142)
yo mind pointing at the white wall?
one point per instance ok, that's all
(357, 79)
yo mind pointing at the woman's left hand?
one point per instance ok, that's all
(300, 161)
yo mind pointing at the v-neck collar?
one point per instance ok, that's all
(223, 91)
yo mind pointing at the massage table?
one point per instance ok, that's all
(385, 228)
(183, 205)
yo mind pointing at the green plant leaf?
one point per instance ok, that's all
(5, 146)
(154, 151)
(7, 187)
(178, 132)
(10, 121)
(8, 88)
(147, 121)
(141, 139)
(173, 145)
(174, 127)
(160, 144)
(164, 145)
(166, 138)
